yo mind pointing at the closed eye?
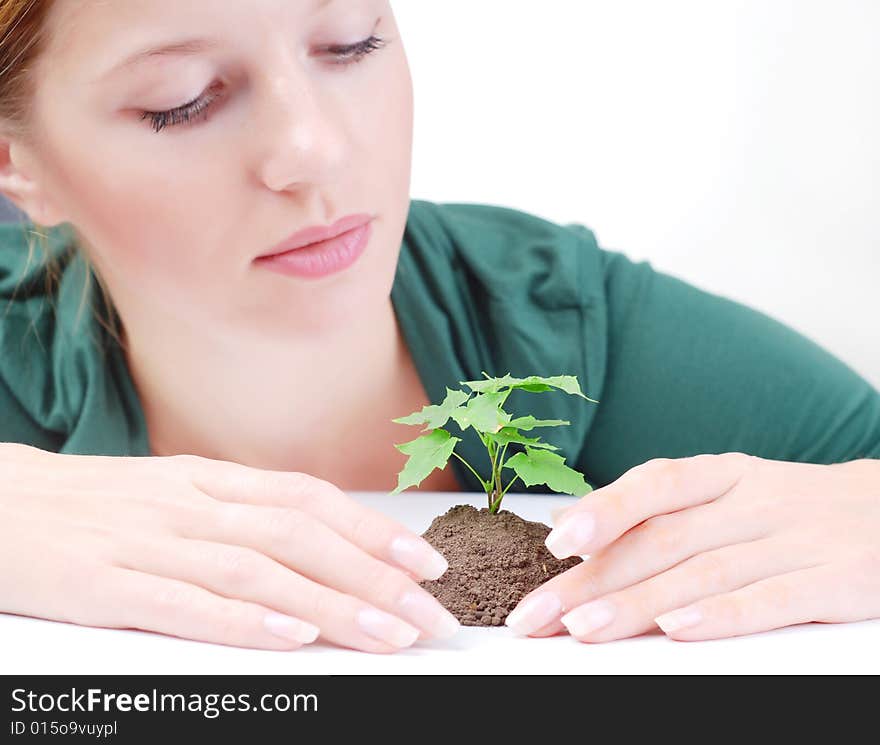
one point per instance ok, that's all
(345, 55)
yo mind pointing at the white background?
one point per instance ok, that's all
(732, 143)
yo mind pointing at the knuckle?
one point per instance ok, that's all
(235, 567)
(319, 605)
(342, 502)
(376, 574)
(666, 474)
(80, 581)
(299, 489)
(187, 508)
(590, 585)
(662, 535)
(746, 461)
(362, 528)
(775, 596)
(712, 571)
(659, 474)
(656, 466)
(577, 585)
(315, 492)
(171, 597)
(181, 465)
(165, 476)
(730, 608)
(744, 466)
(285, 524)
(304, 491)
(230, 620)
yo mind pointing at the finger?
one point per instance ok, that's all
(551, 629)
(245, 574)
(646, 550)
(374, 532)
(658, 486)
(307, 546)
(787, 599)
(168, 606)
(632, 611)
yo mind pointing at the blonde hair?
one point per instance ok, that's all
(22, 40)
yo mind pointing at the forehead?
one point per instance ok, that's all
(92, 35)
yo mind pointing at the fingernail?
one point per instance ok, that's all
(571, 536)
(679, 619)
(557, 512)
(588, 618)
(291, 628)
(534, 612)
(426, 612)
(419, 556)
(386, 628)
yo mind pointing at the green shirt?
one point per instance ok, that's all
(676, 370)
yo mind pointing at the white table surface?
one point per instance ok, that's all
(37, 646)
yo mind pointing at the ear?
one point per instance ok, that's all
(20, 184)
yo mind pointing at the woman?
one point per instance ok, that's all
(179, 443)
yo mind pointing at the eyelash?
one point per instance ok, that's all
(350, 55)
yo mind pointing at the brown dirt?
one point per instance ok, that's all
(494, 561)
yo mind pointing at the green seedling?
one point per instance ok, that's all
(497, 429)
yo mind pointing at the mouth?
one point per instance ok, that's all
(317, 234)
(317, 259)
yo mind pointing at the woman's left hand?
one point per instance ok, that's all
(714, 546)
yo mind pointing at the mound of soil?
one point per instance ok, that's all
(494, 561)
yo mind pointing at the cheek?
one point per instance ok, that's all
(388, 148)
(384, 143)
(392, 139)
(140, 214)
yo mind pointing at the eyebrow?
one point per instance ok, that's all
(181, 47)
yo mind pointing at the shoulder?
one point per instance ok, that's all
(40, 346)
(24, 248)
(511, 253)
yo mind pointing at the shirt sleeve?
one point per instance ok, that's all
(16, 425)
(693, 372)
(26, 330)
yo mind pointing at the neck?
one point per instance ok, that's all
(295, 405)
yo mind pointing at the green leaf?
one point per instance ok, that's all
(529, 422)
(506, 435)
(483, 412)
(438, 414)
(532, 384)
(543, 467)
(426, 453)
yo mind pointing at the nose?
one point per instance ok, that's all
(300, 137)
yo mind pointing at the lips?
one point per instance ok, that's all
(318, 233)
(318, 260)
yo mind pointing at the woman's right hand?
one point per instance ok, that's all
(209, 550)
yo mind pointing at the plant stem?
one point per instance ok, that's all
(493, 506)
(497, 462)
(498, 501)
(493, 484)
(483, 483)
(500, 466)
(510, 484)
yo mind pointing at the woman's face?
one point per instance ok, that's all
(294, 137)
